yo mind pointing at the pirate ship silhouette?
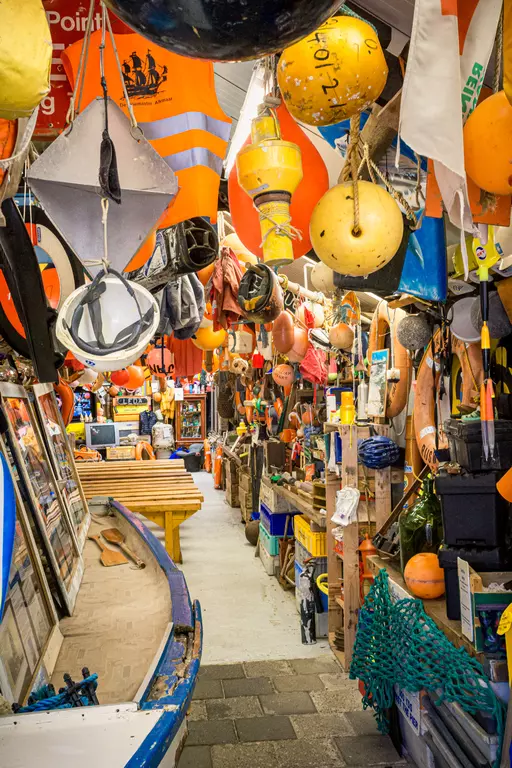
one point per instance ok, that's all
(143, 78)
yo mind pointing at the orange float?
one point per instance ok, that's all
(283, 375)
(299, 347)
(157, 397)
(470, 358)
(8, 134)
(282, 332)
(144, 253)
(424, 576)
(314, 185)
(207, 339)
(488, 145)
(135, 377)
(341, 336)
(120, 378)
(144, 452)
(67, 399)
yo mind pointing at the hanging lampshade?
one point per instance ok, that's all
(314, 184)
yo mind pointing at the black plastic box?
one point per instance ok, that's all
(474, 513)
(480, 559)
(465, 441)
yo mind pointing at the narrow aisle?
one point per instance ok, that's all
(247, 615)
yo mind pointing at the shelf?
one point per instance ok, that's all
(340, 602)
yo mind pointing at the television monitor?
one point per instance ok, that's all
(100, 435)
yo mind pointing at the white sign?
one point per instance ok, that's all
(155, 386)
(466, 612)
(178, 394)
(409, 705)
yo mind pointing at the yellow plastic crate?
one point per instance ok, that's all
(314, 542)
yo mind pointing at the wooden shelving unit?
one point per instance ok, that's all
(344, 569)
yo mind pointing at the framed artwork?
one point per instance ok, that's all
(62, 460)
(26, 453)
(378, 387)
(29, 626)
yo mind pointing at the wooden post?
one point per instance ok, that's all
(334, 565)
(349, 435)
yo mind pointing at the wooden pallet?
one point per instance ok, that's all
(162, 491)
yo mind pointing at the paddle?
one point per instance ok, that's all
(114, 536)
(108, 556)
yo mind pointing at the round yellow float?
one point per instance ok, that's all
(333, 73)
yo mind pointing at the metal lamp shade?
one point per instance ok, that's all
(65, 180)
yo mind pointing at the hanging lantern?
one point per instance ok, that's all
(352, 251)
(336, 72)
(160, 361)
(315, 182)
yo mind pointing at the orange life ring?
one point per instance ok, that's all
(384, 321)
(67, 398)
(470, 358)
(144, 447)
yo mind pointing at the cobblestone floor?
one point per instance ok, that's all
(302, 713)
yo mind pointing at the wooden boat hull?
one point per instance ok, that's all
(147, 731)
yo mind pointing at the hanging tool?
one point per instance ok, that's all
(108, 556)
(114, 536)
(486, 256)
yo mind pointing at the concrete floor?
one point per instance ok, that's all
(247, 615)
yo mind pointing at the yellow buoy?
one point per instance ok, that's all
(270, 170)
(333, 73)
(346, 250)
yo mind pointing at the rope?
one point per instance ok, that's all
(103, 262)
(395, 193)
(350, 169)
(286, 229)
(498, 56)
(82, 66)
(129, 107)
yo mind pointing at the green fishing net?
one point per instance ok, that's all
(397, 643)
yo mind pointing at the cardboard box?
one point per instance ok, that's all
(480, 611)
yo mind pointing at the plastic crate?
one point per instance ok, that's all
(271, 543)
(275, 522)
(301, 555)
(270, 562)
(314, 542)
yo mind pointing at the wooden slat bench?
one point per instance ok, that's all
(162, 491)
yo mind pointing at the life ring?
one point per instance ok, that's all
(384, 321)
(470, 359)
(144, 448)
(67, 399)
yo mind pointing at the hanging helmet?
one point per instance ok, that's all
(202, 246)
(260, 295)
(378, 452)
(223, 30)
(120, 320)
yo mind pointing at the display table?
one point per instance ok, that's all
(163, 491)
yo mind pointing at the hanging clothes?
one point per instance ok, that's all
(226, 278)
(175, 104)
(188, 359)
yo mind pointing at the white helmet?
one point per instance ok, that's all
(121, 318)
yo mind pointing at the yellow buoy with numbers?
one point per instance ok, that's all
(270, 170)
(334, 73)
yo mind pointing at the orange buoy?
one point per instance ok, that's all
(424, 576)
(135, 377)
(299, 347)
(314, 184)
(488, 145)
(341, 336)
(205, 274)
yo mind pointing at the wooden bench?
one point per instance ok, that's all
(162, 491)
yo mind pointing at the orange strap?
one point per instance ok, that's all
(144, 447)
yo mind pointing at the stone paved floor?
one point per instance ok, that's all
(301, 713)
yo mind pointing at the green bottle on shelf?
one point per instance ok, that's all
(421, 526)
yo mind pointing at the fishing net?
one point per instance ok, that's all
(397, 643)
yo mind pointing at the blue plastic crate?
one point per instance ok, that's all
(274, 523)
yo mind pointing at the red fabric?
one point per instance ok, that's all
(224, 291)
(188, 359)
(313, 367)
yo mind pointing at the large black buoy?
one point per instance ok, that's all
(224, 30)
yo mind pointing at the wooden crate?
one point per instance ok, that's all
(121, 452)
(232, 495)
(245, 478)
(245, 498)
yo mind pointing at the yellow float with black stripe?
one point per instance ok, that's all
(270, 170)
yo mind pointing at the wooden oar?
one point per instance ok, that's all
(114, 536)
(108, 556)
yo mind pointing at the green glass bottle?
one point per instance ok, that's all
(421, 526)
